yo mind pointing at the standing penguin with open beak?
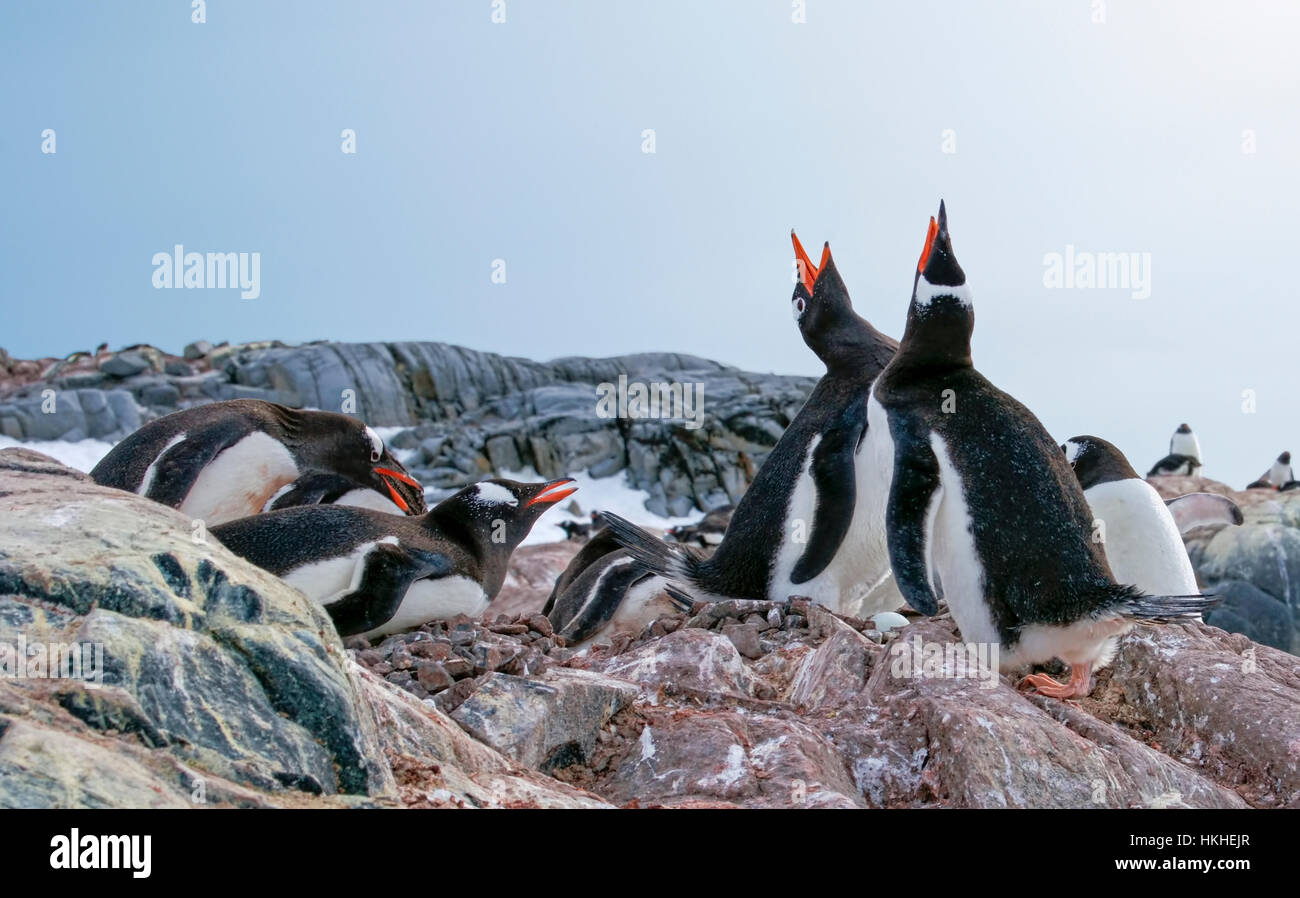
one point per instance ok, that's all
(227, 460)
(799, 529)
(983, 500)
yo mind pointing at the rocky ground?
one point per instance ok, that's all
(222, 686)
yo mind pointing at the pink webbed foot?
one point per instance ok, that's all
(1080, 683)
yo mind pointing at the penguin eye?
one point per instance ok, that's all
(376, 445)
(798, 308)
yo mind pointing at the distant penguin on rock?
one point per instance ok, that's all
(982, 500)
(1279, 476)
(227, 460)
(1140, 532)
(1184, 454)
(798, 529)
(379, 573)
(708, 531)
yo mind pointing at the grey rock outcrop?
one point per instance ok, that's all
(1255, 567)
(471, 414)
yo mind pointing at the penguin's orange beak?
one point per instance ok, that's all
(930, 234)
(553, 492)
(404, 478)
(807, 270)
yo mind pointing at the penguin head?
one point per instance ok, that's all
(342, 445)
(821, 305)
(1183, 428)
(1095, 461)
(941, 317)
(1285, 458)
(499, 512)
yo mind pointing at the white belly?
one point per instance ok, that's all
(240, 480)
(1185, 444)
(857, 581)
(954, 557)
(1142, 542)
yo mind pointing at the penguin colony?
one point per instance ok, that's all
(907, 478)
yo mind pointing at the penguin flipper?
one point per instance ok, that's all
(1196, 509)
(909, 520)
(176, 470)
(832, 470)
(384, 576)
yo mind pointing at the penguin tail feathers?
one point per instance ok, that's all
(1138, 605)
(672, 562)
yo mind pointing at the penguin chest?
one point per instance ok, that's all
(859, 569)
(1185, 444)
(1141, 539)
(240, 480)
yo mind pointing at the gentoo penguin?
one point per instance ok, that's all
(1278, 476)
(379, 573)
(708, 531)
(1140, 532)
(228, 460)
(604, 592)
(798, 530)
(1184, 454)
(981, 496)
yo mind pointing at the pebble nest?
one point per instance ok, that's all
(445, 660)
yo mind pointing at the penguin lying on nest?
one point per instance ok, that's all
(708, 531)
(603, 592)
(1184, 454)
(982, 499)
(1278, 477)
(227, 460)
(378, 573)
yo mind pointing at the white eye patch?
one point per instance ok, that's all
(495, 494)
(376, 445)
(798, 307)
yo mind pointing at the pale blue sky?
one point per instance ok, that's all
(522, 141)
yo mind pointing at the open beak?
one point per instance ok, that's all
(387, 473)
(553, 492)
(807, 270)
(930, 234)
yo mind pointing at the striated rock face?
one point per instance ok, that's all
(473, 414)
(1255, 567)
(198, 679)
